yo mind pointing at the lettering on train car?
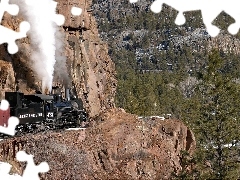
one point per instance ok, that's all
(30, 115)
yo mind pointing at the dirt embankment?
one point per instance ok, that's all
(117, 146)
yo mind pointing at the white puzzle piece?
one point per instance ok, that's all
(76, 11)
(12, 121)
(210, 9)
(32, 171)
(8, 35)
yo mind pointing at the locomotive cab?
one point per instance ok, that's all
(30, 108)
(57, 98)
(48, 108)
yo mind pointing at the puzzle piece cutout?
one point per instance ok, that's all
(31, 171)
(57, 18)
(5, 170)
(133, 1)
(7, 35)
(12, 121)
(209, 10)
(76, 11)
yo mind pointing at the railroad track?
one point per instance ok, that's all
(39, 131)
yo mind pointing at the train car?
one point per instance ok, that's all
(45, 111)
(4, 116)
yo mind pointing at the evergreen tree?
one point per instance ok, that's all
(218, 121)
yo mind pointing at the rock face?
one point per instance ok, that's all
(117, 146)
(90, 68)
(7, 78)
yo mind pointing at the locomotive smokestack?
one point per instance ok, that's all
(67, 95)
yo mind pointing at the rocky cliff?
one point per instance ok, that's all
(117, 146)
(90, 68)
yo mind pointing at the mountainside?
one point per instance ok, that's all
(163, 68)
(91, 70)
(116, 144)
(153, 40)
(159, 63)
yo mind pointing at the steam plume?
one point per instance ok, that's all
(43, 32)
(60, 68)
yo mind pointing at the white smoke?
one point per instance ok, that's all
(60, 68)
(45, 39)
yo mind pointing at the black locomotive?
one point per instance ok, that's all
(39, 111)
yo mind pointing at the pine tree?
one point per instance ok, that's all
(217, 126)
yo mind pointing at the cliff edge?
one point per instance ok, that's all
(91, 70)
(116, 145)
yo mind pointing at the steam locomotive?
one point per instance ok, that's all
(40, 111)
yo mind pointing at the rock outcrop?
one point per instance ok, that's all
(7, 78)
(117, 146)
(90, 68)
